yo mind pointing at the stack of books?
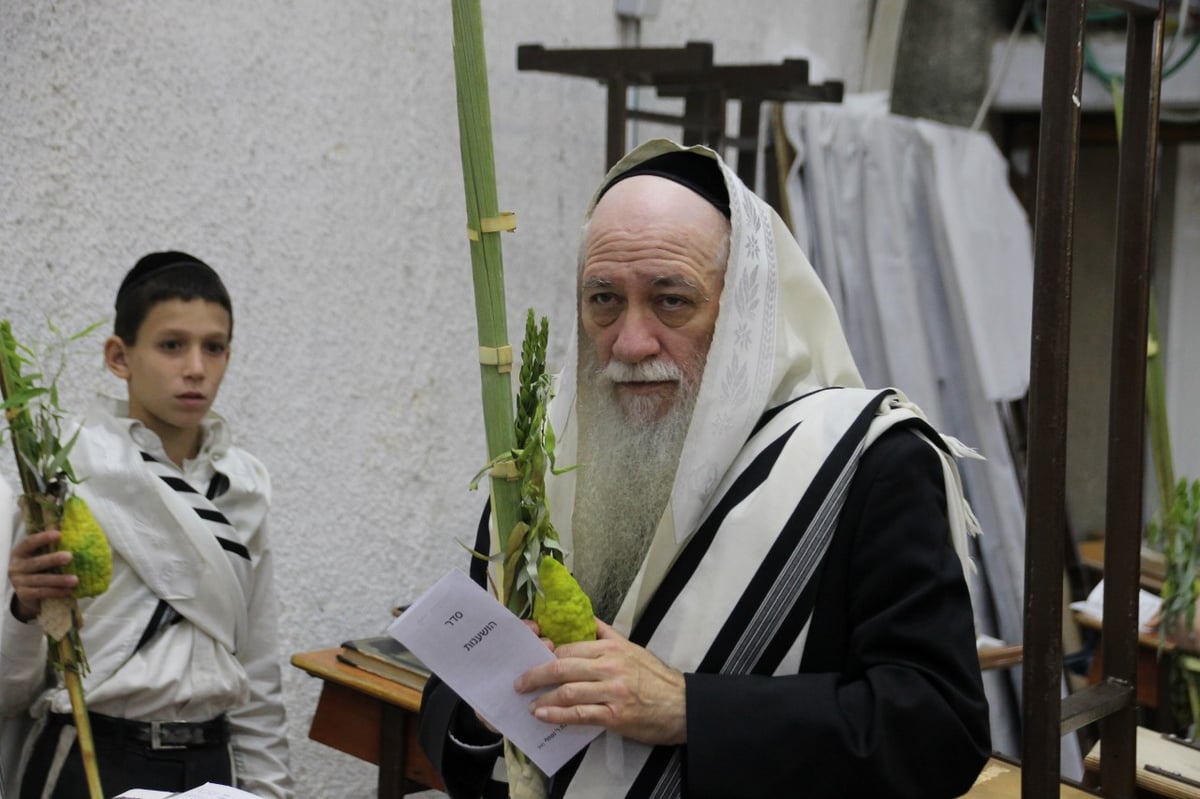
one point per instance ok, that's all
(385, 657)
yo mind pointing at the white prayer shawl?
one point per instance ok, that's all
(171, 549)
(166, 551)
(777, 338)
(172, 552)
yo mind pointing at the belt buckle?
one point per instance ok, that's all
(156, 742)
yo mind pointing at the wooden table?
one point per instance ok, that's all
(1001, 779)
(365, 715)
(373, 719)
(1155, 752)
(1091, 555)
(1152, 671)
(1000, 657)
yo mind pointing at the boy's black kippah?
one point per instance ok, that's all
(697, 172)
(156, 262)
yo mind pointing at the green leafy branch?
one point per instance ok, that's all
(1174, 531)
(34, 420)
(32, 410)
(533, 534)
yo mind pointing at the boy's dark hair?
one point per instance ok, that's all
(162, 276)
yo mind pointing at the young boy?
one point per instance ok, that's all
(184, 685)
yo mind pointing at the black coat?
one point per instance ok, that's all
(889, 700)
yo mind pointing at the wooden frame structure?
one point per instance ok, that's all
(686, 72)
(1112, 702)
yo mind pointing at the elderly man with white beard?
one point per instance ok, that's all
(775, 554)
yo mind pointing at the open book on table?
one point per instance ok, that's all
(1148, 606)
(385, 657)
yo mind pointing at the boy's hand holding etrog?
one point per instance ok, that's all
(75, 561)
(33, 571)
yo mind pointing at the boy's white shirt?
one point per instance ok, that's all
(256, 711)
(171, 549)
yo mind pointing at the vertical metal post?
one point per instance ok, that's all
(1046, 479)
(618, 115)
(749, 119)
(1127, 396)
(695, 116)
(717, 103)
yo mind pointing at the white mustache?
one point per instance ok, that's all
(656, 371)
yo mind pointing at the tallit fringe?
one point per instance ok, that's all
(524, 779)
(964, 525)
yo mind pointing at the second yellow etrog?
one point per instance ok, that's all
(561, 608)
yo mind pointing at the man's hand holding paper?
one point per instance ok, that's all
(480, 649)
(613, 683)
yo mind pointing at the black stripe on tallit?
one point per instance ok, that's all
(685, 566)
(661, 775)
(771, 413)
(795, 620)
(790, 627)
(217, 486)
(689, 559)
(164, 616)
(234, 547)
(664, 767)
(935, 438)
(562, 778)
(179, 484)
(779, 557)
(212, 516)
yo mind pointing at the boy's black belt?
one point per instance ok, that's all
(158, 735)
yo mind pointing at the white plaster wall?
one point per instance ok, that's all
(309, 151)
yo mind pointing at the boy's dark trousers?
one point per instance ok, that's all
(131, 754)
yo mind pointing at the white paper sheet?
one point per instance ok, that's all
(479, 648)
(208, 790)
(1148, 606)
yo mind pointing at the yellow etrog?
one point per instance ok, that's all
(561, 609)
(91, 557)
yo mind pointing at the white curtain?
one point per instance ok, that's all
(928, 255)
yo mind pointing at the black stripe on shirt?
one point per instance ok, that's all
(234, 547)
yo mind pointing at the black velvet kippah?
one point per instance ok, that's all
(697, 172)
(157, 262)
